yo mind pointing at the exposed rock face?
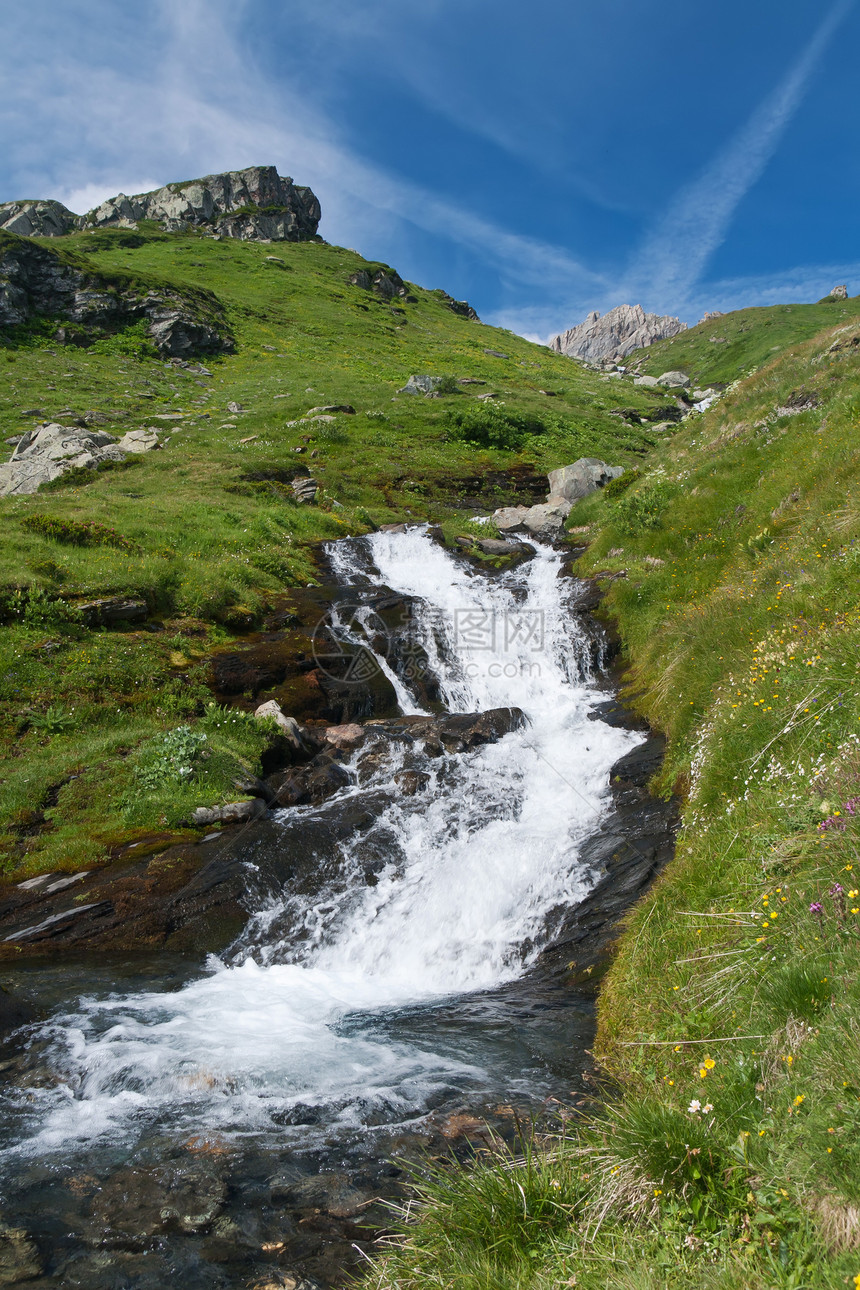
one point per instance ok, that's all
(38, 281)
(421, 384)
(49, 451)
(616, 334)
(674, 380)
(37, 219)
(382, 281)
(460, 307)
(256, 204)
(839, 292)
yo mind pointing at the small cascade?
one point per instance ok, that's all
(319, 1020)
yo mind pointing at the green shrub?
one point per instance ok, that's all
(449, 385)
(616, 487)
(78, 532)
(171, 758)
(642, 509)
(492, 425)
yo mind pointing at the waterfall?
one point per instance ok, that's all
(301, 1023)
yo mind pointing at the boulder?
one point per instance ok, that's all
(616, 334)
(421, 384)
(288, 726)
(346, 408)
(382, 281)
(545, 520)
(229, 813)
(345, 737)
(839, 292)
(139, 440)
(650, 382)
(305, 489)
(569, 483)
(674, 380)
(112, 610)
(51, 450)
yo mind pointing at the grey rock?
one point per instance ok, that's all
(460, 307)
(650, 382)
(289, 727)
(674, 380)
(111, 610)
(585, 476)
(546, 520)
(496, 353)
(421, 384)
(37, 219)
(138, 441)
(616, 334)
(305, 490)
(710, 314)
(256, 204)
(839, 292)
(345, 408)
(51, 450)
(229, 813)
(495, 546)
(382, 281)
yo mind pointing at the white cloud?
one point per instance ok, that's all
(83, 199)
(672, 258)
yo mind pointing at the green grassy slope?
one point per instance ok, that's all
(728, 1021)
(206, 530)
(722, 349)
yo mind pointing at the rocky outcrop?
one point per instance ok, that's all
(256, 204)
(421, 384)
(37, 219)
(460, 307)
(382, 280)
(615, 335)
(38, 281)
(48, 451)
(839, 292)
(566, 486)
(51, 450)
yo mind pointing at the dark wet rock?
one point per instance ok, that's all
(311, 784)
(140, 1202)
(20, 1260)
(411, 782)
(14, 1014)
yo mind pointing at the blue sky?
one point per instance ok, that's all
(538, 158)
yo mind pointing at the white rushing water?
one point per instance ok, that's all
(468, 873)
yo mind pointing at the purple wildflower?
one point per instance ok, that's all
(836, 889)
(815, 907)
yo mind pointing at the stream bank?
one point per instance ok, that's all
(445, 1012)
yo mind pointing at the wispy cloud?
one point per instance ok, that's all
(672, 258)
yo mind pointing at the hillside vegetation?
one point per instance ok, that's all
(722, 349)
(207, 531)
(727, 1152)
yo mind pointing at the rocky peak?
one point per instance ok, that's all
(37, 219)
(615, 335)
(256, 204)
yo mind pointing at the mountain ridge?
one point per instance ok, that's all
(253, 204)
